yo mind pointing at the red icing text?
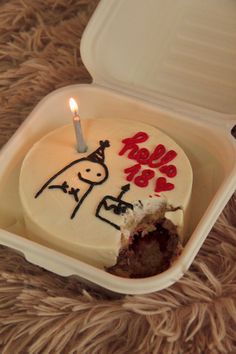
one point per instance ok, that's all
(169, 170)
(142, 179)
(158, 158)
(131, 143)
(132, 171)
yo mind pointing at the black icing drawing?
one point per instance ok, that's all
(91, 171)
(64, 187)
(115, 205)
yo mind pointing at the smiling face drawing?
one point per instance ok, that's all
(92, 172)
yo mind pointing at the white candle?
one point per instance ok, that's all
(80, 143)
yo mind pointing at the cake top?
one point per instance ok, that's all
(83, 199)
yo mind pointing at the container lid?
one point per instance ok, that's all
(180, 54)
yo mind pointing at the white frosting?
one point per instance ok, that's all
(137, 217)
(177, 218)
(49, 173)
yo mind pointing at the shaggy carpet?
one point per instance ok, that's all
(41, 312)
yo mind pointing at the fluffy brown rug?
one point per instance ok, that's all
(41, 312)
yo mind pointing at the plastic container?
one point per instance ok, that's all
(169, 64)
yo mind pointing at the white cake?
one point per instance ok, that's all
(88, 205)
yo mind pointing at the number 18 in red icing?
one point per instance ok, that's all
(158, 159)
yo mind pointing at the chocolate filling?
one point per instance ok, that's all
(148, 255)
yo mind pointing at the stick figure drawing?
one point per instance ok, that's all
(87, 173)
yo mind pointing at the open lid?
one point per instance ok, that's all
(180, 54)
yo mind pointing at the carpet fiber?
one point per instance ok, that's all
(41, 312)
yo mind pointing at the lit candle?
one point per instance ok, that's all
(81, 145)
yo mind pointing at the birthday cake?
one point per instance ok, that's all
(120, 206)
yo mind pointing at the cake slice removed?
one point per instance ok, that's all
(151, 239)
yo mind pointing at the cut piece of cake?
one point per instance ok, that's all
(133, 184)
(151, 240)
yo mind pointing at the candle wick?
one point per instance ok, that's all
(76, 115)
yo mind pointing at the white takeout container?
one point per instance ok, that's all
(170, 64)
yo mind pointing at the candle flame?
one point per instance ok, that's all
(73, 106)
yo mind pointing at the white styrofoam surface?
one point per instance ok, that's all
(172, 52)
(211, 151)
